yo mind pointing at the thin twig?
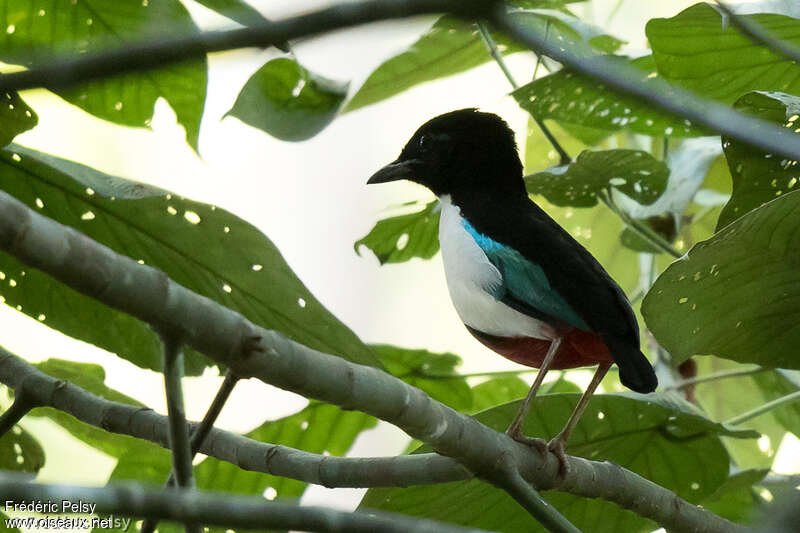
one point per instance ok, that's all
(22, 405)
(657, 93)
(642, 230)
(200, 432)
(724, 374)
(498, 58)
(530, 499)
(759, 35)
(216, 509)
(764, 408)
(172, 346)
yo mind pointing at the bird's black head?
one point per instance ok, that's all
(462, 152)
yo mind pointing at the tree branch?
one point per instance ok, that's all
(251, 351)
(64, 72)
(656, 92)
(248, 454)
(191, 506)
(498, 58)
(758, 35)
(761, 409)
(200, 433)
(22, 405)
(715, 376)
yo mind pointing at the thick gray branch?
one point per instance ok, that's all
(251, 351)
(248, 454)
(218, 509)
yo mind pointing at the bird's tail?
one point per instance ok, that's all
(635, 371)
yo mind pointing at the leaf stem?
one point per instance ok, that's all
(716, 376)
(642, 229)
(761, 409)
(498, 58)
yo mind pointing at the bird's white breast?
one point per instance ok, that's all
(472, 279)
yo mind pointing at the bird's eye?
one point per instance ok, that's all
(422, 141)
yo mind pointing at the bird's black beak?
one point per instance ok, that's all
(396, 170)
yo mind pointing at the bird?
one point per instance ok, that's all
(519, 282)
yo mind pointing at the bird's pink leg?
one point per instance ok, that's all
(558, 443)
(515, 429)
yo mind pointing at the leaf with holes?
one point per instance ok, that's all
(319, 428)
(434, 373)
(401, 238)
(205, 249)
(20, 451)
(15, 117)
(452, 46)
(574, 100)
(39, 30)
(758, 176)
(735, 294)
(287, 101)
(667, 443)
(699, 52)
(635, 173)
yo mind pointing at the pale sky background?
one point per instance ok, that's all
(309, 198)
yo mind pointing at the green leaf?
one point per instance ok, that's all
(449, 47)
(167, 232)
(634, 172)
(400, 238)
(734, 499)
(779, 383)
(716, 60)
(452, 46)
(497, 391)
(15, 117)
(734, 295)
(726, 398)
(39, 30)
(20, 451)
(575, 100)
(91, 377)
(237, 10)
(433, 373)
(287, 101)
(758, 176)
(664, 442)
(4, 517)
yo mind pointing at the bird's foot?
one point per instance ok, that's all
(534, 442)
(556, 446)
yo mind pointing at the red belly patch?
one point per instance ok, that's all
(578, 348)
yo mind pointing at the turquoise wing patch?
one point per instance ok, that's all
(525, 281)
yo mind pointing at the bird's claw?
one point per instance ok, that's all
(533, 442)
(556, 447)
